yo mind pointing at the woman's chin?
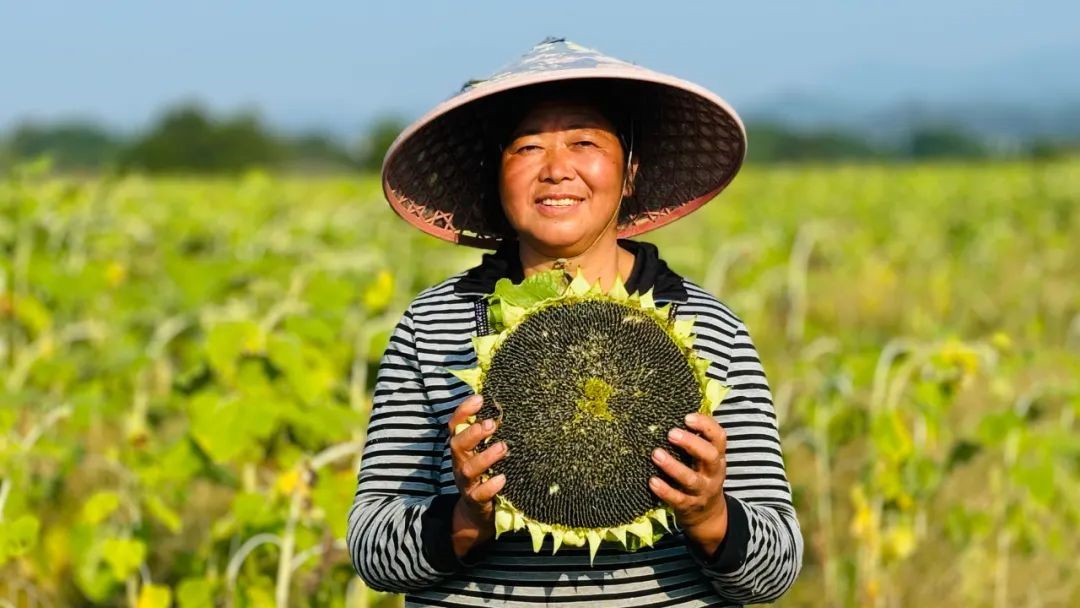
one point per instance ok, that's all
(557, 240)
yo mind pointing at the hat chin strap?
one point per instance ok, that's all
(561, 263)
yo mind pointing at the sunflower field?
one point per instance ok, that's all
(186, 366)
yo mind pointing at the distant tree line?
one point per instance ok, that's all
(187, 138)
(773, 142)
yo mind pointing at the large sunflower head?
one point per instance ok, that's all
(585, 385)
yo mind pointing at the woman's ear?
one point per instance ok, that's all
(628, 181)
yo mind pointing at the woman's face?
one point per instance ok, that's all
(561, 177)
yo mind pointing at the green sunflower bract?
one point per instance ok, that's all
(584, 385)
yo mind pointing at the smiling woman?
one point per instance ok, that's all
(563, 177)
(554, 162)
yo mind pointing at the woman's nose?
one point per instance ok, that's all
(557, 165)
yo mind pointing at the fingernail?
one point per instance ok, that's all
(691, 418)
(659, 455)
(501, 446)
(675, 434)
(489, 424)
(654, 482)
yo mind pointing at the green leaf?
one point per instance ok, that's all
(198, 279)
(100, 506)
(891, 436)
(509, 300)
(163, 513)
(316, 329)
(533, 290)
(1039, 481)
(93, 577)
(324, 423)
(259, 593)
(195, 593)
(18, 536)
(227, 341)
(177, 463)
(994, 428)
(8, 417)
(32, 314)
(255, 510)
(307, 369)
(154, 596)
(331, 492)
(228, 428)
(123, 556)
(330, 293)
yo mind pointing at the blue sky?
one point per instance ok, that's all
(338, 64)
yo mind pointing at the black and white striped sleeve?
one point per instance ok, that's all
(762, 554)
(397, 504)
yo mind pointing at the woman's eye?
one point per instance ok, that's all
(584, 143)
(527, 148)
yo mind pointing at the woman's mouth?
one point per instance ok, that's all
(557, 205)
(558, 201)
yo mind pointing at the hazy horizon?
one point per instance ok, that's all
(339, 67)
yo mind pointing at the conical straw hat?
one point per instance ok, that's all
(440, 174)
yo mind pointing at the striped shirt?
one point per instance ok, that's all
(399, 523)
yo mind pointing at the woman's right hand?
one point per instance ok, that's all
(474, 514)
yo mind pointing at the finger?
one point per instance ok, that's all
(467, 440)
(485, 492)
(697, 447)
(710, 429)
(715, 434)
(668, 494)
(688, 479)
(475, 465)
(469, 407)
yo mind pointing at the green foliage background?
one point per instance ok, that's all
(186, 367)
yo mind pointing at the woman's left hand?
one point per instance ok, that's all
(698, 499)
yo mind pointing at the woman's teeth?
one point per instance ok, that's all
(558, 202)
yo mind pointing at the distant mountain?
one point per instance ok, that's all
(1038, 78)
(1003, 121)
(1031, 95)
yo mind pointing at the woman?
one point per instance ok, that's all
(553, 162)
